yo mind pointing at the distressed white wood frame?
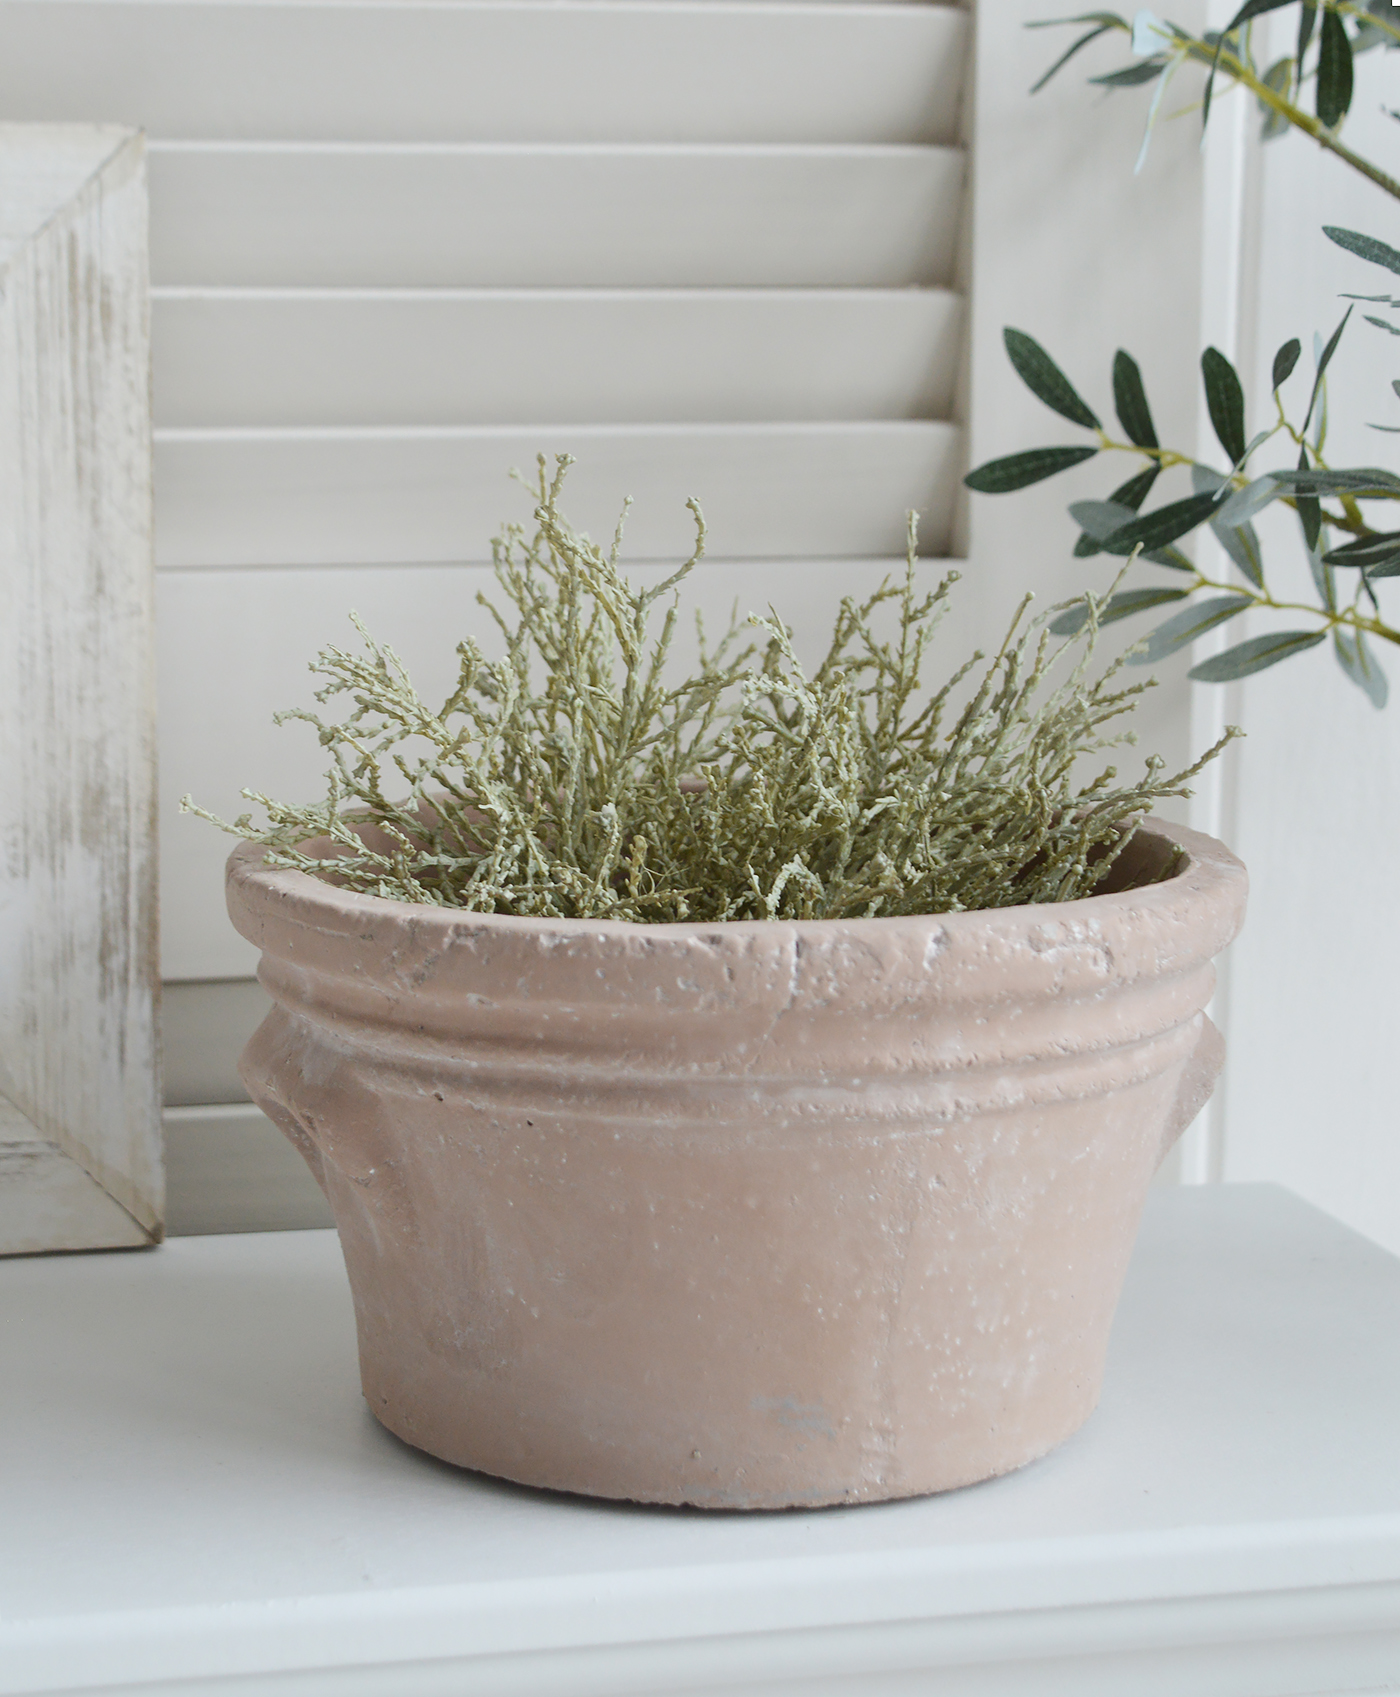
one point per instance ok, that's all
(80, 1144)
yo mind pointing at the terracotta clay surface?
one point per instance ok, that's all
(748, 1215)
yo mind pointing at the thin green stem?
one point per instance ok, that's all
(1240, 72)
(1349, 519)
(1300, 120)
(1348, 616)
(1163, 457)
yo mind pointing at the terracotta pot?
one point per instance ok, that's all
(748, 1215)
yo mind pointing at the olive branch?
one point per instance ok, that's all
(1338, 536)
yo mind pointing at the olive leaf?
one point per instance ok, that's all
(1334, 70)
(1184, 627)
(1240, 507)
(1364, 247)
(1279, 79)
(1310, 517)
(1018, 471)
(1119, 606)
(1360, 665)
(1152, 35)
(1044, 379)
(1069, 52)
(1305, 28)
(1368, 35)
(1284, 361)
(1103, 20)
(1130, 401)
(1107, 19)
(1241, 543)
(1254, 654)
(1125, 500)
(1324, 578)
(1136, 490)
(1225, 401)
(1365, 480)
(1102, 520)
(1163, 525)
(1131, 75)
(1368, 552)
(1324, 360)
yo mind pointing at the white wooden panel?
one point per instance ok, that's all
(551, 216)
(595, 356)
(49, 1201)
(290, 497)
(79, 1127)
(497, 70)
(234, 646)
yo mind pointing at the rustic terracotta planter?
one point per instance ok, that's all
(746, 1215)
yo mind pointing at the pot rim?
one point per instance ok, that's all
(1207, 864)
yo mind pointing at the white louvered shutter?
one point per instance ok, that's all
(399, 247)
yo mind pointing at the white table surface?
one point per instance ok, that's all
(193, 1498)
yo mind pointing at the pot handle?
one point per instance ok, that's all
(258, 1069)
(1197, 1082)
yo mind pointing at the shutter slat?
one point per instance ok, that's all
(489, 70)
(439, 357)
(552, 216)
(270, 498)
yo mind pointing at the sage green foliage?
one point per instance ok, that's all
(570, 779)
(1340, 539)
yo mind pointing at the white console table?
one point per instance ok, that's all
(193, 1499)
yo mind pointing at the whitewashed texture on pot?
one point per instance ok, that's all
(80, 1149)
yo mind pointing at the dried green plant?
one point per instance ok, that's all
(570, 779)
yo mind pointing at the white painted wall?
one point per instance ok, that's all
(1313, 805)
(1070, 246)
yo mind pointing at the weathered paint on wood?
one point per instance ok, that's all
(80, 1148)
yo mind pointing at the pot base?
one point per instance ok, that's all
(765, 1215)
(695, 1484)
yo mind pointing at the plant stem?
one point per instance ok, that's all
(1235, 68)
(1376, 627)
(1163, 457)
(1304, 121)
(1349, 519)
